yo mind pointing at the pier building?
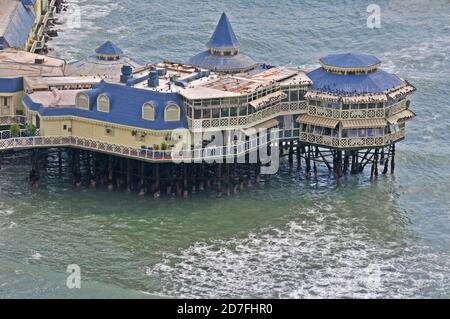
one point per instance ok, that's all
(128, 119)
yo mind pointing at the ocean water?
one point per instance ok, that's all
(293, 238)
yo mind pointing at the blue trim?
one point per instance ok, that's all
(11, 85)
(125, 107)
(223, 36)
(350, 60)
(374, 82)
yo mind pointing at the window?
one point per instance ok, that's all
(362, 132)
(293, 95)
(103, 103)
(233, 111)
(172, 112)
(215, 113)
(243, 111)
(225, 112)
(148, 111)
(82, 101)
(4, 101)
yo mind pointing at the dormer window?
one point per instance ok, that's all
(103, 103)
(82, 101)
(172, 112)
(148, 111)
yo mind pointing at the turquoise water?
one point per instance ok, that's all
(292, 238)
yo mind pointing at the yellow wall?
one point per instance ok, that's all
(16, 102)
(97, 131)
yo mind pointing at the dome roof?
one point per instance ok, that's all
(350, 60)
(108, 48)
(374, 82)
(221, 63)
(223, 36)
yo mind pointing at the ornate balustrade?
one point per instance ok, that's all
(283, 108)
(206, 153)
(351, 142)
(356, 114)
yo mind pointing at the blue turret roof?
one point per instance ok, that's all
(223, 36)
(108, 48)
(350, 60)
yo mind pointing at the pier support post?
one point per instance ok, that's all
(110, 173)
(34, 176)
(129, 168)
(393, 159)
(157, 192)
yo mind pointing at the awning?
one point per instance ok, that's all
(363, 123)
(264, 125)
(318, 121)
(366, 98)
(404, 90)
(313, 95)
(268, 99)
(401, 117)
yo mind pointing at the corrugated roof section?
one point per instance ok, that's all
(401, 117)
(363, 123)
(316, 120)
(19, 27)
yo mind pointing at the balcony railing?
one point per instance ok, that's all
(356, 114)
(352, 142)
(284, 108)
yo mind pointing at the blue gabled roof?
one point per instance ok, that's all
(223, 63)
(223, 36)
(125, 107)
(350, 60)
(19, 27)
(373, 82)
(108, 48)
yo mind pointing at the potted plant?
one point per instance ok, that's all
(14, 130)
(31, 130)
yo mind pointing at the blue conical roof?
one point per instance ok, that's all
(108, 48)
(223, 36)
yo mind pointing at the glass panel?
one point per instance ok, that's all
(216, 113)
(225, 112)
(242, 111)
(206, 114)
(233, 111)
(352, 133)
(362, 132)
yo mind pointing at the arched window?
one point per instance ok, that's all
(172, 112)
(148, 111)
(103, 103)
(82, 101)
